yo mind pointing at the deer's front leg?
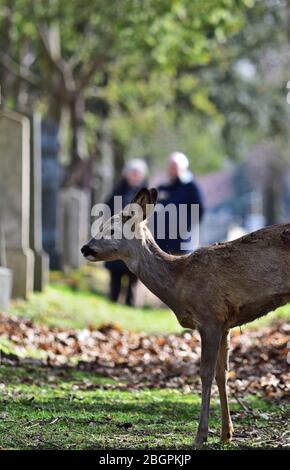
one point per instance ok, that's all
(221, 378)
(210, 341)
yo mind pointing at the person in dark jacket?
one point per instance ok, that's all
(133, 179)
(179, 189)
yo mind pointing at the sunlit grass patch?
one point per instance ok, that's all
(63, 306)
(55, 408)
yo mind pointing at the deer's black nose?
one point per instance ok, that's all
(87, 251)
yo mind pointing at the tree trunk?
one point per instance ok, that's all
(78, 147)
(77, 170)
(119, 156)
(6, 78)
(21, 86)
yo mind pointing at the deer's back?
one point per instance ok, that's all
(238, 281)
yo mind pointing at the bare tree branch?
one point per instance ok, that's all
(19, 70)
(57, 64)
(63, 68)
(88, 75)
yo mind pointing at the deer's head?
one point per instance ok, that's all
(119, 236)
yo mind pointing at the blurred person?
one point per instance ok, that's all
(179, 189)
(133, 178)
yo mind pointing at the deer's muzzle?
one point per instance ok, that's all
(88, 252)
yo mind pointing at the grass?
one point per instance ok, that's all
(63, 408)
(78, 300)
(45, 408)
(61, 306)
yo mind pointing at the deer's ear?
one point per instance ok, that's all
(147, 198)
(153, 196)
(142, 199)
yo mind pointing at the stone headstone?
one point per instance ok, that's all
(74, 225)
(5, 274)
(41, 260)
(50, 190)
(15, 198)
(5, 287)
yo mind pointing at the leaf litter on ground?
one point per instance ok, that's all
(259, 358)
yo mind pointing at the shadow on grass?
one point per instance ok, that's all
(46, 407)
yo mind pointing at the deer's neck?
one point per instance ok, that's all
(157, 270)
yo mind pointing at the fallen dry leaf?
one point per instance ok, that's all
(258, 360)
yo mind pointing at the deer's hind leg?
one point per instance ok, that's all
(221, 379)
(210, 341)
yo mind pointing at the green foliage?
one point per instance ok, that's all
(203, 145)
(154, 66)
(141, 58)
(251, 91)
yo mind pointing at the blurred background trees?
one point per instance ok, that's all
(126, 78)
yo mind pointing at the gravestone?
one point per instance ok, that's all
(15, 198)
(74, 225)
(41, 260)
(50, 190)
(5, 274)
(5, 287)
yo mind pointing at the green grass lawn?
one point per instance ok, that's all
(49, 408)
(63, 408)
(76, 304)
(64, 307)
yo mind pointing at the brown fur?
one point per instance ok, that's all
(214, 289)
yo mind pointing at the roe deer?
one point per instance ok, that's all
(213, 289)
